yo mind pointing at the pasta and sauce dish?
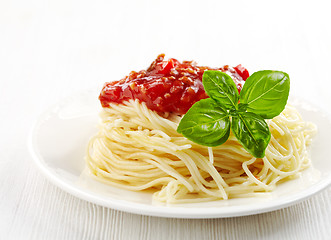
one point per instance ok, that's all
(192, 133)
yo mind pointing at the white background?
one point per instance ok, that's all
(52, 49)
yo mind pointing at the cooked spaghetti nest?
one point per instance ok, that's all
(137, 149)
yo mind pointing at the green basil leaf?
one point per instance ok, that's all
(205, 123)
(266, 92)
(252, 132)
(220, 87)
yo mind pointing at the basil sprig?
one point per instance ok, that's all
(263, 96)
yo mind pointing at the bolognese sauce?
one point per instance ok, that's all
(167, 85)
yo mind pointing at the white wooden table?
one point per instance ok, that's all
(49, 50)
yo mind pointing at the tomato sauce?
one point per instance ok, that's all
(167, 85)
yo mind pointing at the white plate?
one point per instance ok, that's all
(58, 143)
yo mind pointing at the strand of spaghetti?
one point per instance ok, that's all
(121, 161)
(158, 162)
(148, 185)
(207, 166)
(211, 155)
(195, 174)
(251, 176)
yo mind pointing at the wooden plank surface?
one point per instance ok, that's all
(49, 50)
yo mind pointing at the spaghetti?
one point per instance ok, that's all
(138, 149)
